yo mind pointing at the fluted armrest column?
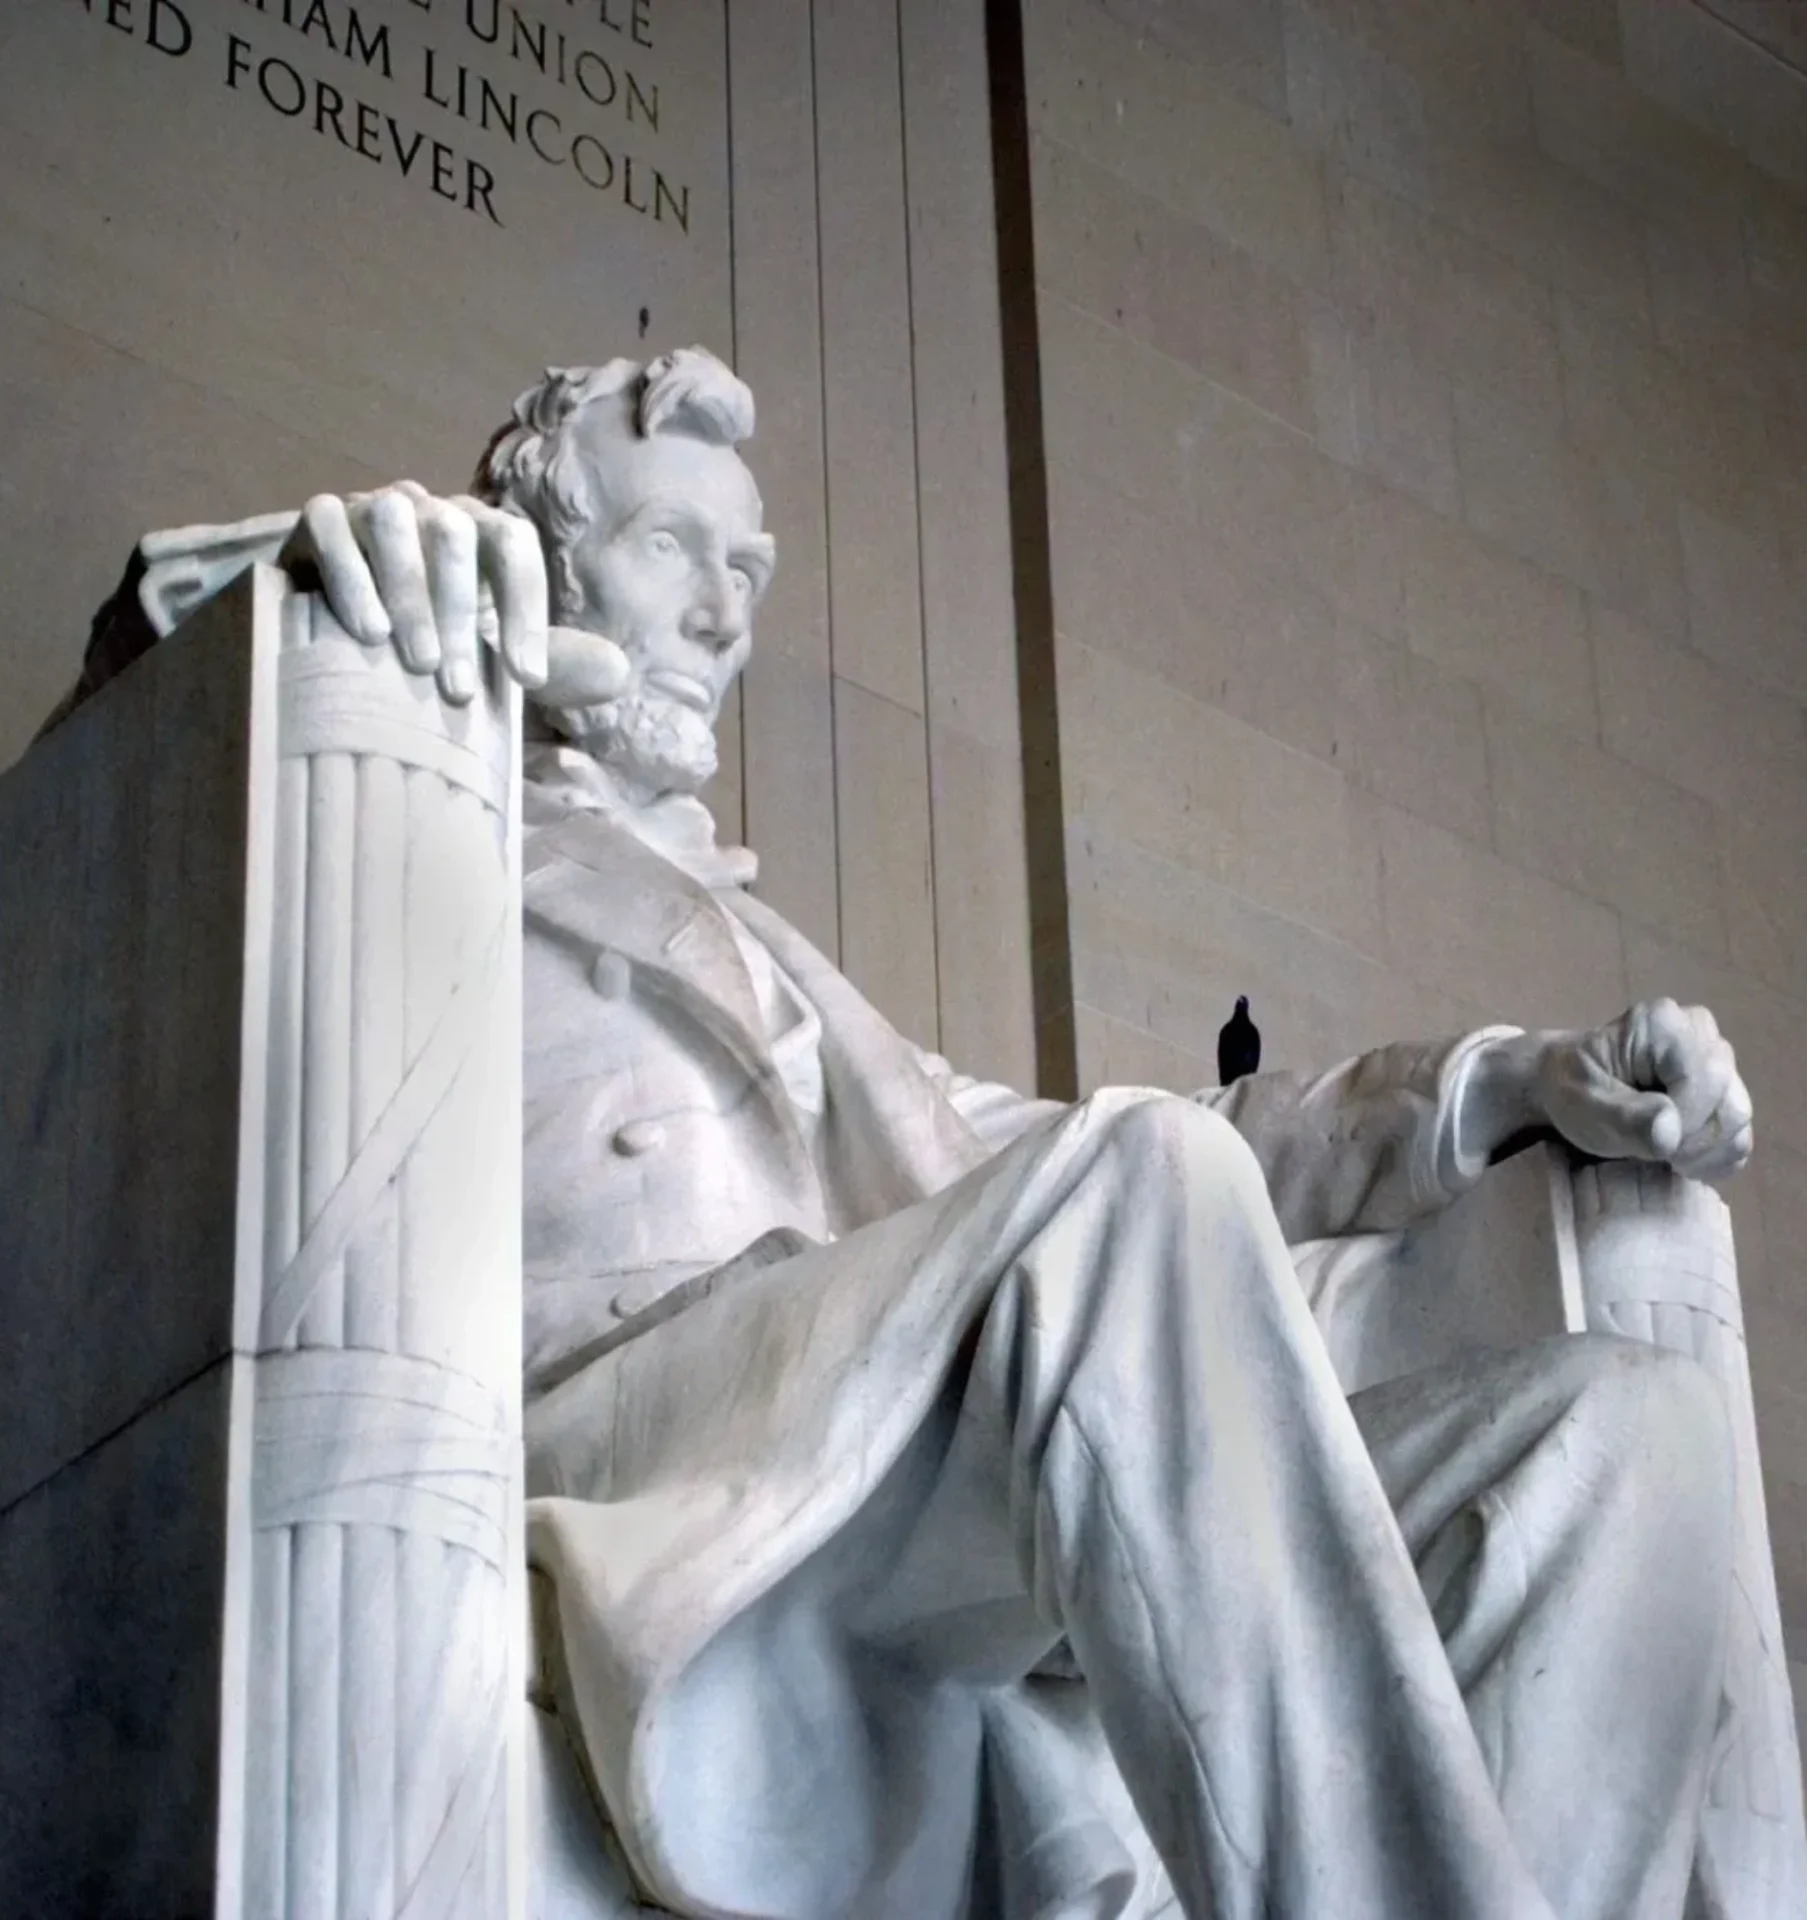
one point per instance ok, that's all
(1653, 1259)
(262, 1579)
(386, 1586)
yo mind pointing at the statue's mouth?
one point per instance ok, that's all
(681, 688)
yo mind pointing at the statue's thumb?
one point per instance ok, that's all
(583, 669)
(1604, 1116)
(1656, 1122)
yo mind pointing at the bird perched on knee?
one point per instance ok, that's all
(1238, 1045)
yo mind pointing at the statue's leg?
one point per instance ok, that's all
(1569, 1507)
(1079, 1394)
(1192, 1504)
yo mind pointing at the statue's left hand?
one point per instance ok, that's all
(1658, 1083)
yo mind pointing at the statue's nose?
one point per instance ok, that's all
(715, 618)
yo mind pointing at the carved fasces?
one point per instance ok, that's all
(1657, 1264)
(386, 1613)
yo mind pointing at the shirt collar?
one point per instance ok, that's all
(560, 780)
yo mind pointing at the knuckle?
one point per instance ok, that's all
(390, 511)
(516, 541)
(454, 532)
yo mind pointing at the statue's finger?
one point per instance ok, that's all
(1668, 1044)
(1602, 1115)
(449, 546)
(514, 566)
(388, 530)
(1734, 1113)
(1704, 1082)
(1717, 1159)
(583, 669)
(324, 536)
(1659, 1126)
(1720, 1143)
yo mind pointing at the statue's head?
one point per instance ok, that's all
(651, 525)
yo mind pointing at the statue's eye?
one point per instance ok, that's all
(743, 581)
(664, 544)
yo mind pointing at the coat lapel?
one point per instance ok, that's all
(673, 931)
(651, 912)
(891, 1135)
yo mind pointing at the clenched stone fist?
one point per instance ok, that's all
(1659, 1083)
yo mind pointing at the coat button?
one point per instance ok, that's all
(639, 1136)
(610, 975)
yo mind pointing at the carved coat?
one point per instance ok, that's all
(698, 1077)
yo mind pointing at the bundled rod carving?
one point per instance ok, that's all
(385, 1480)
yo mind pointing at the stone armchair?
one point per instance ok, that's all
(263, 1601)
(262, 1579)
(1551, 1243)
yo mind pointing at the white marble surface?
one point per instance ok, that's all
(1002, 1383)
(384, 1461)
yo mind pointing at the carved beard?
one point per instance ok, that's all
(648, 741)
(654, 743)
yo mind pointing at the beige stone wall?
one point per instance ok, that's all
(211, 306)
(882, 779)
(1425, 392)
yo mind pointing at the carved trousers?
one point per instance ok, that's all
(1448, 1651)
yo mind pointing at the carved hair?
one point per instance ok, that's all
(531, 468)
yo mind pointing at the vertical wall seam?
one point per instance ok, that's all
(1038, 700)
(834, 702)
(740, 695)
(922, 599)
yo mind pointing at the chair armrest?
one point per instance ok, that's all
(1496, 1270)
(1549, 1243)
(1654, 1260)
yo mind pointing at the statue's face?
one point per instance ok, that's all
(671, 571)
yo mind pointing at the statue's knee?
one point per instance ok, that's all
(1660, 1408)
(1196, 1146)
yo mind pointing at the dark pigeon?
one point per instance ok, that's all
(1238, 1045)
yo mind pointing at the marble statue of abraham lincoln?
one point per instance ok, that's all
(947, 1500)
